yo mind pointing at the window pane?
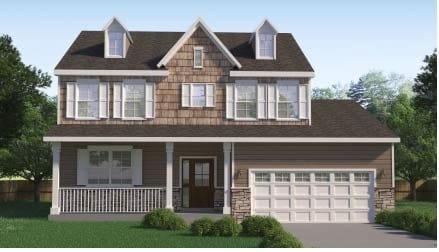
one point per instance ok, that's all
(246, 101)
(198, 56)
(185, 172)
(302, 177)
(322, 177)
(115, 43)
(98, 172)
(341, 177)
(185, 197)
(88, 100)
(361, 177)
(287, 101)
(282, 177)
(198, 95)
(262, 177)
(134, 103)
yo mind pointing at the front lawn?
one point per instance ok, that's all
(25, 224)
(420, 206)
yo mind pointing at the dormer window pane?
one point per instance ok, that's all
(266, 45)
(116, 43)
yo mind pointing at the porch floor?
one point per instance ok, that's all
(189, 217)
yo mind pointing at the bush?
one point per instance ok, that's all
(259, 225)
(227, 226)
(279, 238)
(163, 219)
(202, 227)
(410, 220)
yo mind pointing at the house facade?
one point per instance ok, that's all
(210, 121)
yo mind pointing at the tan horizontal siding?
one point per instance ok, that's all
(303, 156)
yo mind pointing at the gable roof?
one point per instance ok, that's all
(259, 27)
(115, 20)
(199, 23)
(87, 52)
(331, 119)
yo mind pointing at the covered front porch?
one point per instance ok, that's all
(125, 180)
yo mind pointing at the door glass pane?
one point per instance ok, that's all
(198, 168)
(202, 174)
(206, 168)
(185, 197)
(185, 172)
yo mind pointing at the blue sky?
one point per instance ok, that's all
(342, 39)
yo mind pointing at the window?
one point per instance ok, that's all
(282, 177)
(134, 102)
(198, 95)
(341, 177)
(302, 177)
(266, 46)
(87, 102)
(361, 177)
(322, 177)
(109, 168)
(287, 101)
(202, 174)
(198, 57)
(262, 177)
(246, 101)
(115, 47)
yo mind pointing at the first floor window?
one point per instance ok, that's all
(87, 100)
(287, 102)
(109, 168)
(246, 101)
(134, 102)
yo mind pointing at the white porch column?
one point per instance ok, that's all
(56, 150)
(227, 147)
(169, 158)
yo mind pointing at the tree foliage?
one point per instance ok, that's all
(357, 93)
(19, 85)
(425, 85)
(336, 91)
(415, 156)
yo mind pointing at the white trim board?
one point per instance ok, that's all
(90, 72)
(199, 23)
(222, 139)
(291, 74)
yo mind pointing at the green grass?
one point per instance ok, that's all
(25, 224)
(420, 206)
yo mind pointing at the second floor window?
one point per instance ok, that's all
(133, 99)
(287, 102)
(115, 47)
(88, 100)
(134, 102)
(198, 95)
(246, 101)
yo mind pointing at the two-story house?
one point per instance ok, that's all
(210, 121)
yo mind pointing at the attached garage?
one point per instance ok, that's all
(313, 195)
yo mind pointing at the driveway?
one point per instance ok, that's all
(357, 236)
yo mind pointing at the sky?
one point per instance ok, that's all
(342, 39)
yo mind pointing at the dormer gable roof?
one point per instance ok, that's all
(115, 23)
(266, 24)
(199, 23)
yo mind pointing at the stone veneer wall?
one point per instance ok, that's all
(384, 199)
(241, 206)
(177, 203)
(218, 199)
(176, 199)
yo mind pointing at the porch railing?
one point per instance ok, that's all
(110, 200)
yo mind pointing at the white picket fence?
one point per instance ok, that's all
(110, 200)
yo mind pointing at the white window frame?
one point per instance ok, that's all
(191, 104)
(273, 45)
(124, 86)
(235, 101)
(110, 150)
(76, 99)
(278, 101)
(146, 100)
(109, 55)
(201, 49)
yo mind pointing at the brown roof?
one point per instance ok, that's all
(148, 48)
(330, 118)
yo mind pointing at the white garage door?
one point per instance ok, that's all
(313, 196)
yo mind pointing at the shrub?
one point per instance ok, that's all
(280, 238)
(227, 226)
(202, 227)
(163, 219)
(410, 220)
(259, 225)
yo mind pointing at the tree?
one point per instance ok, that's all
(357, 93)
(336, 91)
(19, 84)
(415, 156)
(425, 85)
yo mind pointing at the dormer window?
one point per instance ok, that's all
(115, 40)
(263, 41)
(266, 46)
(198, 57)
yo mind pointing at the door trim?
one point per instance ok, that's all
(215, 168)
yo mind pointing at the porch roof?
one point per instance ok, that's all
(332, 121)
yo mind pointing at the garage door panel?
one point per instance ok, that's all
(306, 196)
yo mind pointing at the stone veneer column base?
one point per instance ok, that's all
(384, 199)
(218, 200)
(241, 205)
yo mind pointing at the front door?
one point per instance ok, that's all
(198, 183)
